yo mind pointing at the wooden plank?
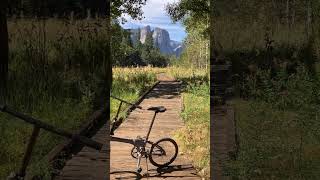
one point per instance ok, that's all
(222, 138)
(89, 163)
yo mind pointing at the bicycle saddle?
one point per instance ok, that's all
(157, 109)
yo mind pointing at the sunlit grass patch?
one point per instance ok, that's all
(194, 138)
(129, 84)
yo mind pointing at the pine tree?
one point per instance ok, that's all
(149, 43)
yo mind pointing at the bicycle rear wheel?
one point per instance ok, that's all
(163, 152)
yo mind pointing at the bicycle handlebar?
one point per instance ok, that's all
(136, 106)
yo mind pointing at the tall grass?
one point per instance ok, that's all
(194, 138)
(279, 127)
(235, 34)
(277, 117)
(56, 74)
(129, 84)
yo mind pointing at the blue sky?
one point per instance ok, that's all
(155, 16)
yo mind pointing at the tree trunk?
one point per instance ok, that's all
(200, 56)
(287, 11)
(4, 48)
(88, 14)
(288, 20)
(293, 13)
(207, 43)
(309, 14)
(212, 37)
(207, 53)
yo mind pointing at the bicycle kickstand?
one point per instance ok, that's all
(147, 167)
(139, 169)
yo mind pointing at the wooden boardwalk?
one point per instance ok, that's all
(223, 143)
(89, 164)
(123, 166)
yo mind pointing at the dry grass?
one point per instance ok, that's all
(182, 73)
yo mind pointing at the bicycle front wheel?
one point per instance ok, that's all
(163, 152)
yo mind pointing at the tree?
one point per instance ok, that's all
(194, 8)
(4, 48)
(194, 15)
(133, 8)
(148, 45)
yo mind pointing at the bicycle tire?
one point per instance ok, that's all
(156, 144)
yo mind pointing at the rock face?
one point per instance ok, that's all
(143, 33)
(178, 47)
(161, 40)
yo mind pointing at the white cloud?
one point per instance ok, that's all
(155, 8)
(156, 16)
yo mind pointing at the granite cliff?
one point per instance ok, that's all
(161, 40)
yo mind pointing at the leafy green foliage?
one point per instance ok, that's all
(132, 8)
(194, 8)
(194, 15)
(196, 53)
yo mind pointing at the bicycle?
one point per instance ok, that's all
(160, 154)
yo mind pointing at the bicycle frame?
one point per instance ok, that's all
(130, 141)
(151, 125)
(138, 143)
(123, 140)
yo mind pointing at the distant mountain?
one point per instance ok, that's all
(161, 40)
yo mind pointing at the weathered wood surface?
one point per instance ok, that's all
(89, 164)
(123, 166)
(223, 144)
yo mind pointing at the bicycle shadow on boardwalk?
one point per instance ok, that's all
(167, 172)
